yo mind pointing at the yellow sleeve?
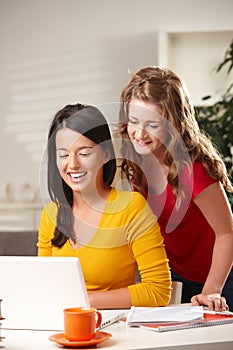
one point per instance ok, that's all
(46, 229)
(147, 246)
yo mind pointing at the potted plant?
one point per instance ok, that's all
(217, 119)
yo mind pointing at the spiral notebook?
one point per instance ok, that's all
(176, 318)
(209, 320)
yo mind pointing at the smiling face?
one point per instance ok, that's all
(80, 161)
(147, 128)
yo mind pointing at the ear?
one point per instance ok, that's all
(107, 155)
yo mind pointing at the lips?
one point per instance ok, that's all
(77, 176)
(142, 143)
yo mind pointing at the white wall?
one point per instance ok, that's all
(55, 52)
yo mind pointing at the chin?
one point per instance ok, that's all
(142, 150)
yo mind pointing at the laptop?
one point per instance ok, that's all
(36, 290)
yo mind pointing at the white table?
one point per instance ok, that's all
(125, 338)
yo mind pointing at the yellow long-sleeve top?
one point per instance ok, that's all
(127, 237)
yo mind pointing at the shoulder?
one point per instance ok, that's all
(198, 168)
(198, 176)
(131, 204)
(129, 197)
(50, 207)
(49, 212)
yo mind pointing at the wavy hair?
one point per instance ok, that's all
(90, 122)
(168, 92)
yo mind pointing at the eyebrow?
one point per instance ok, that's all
(147, 121)
(79, 149)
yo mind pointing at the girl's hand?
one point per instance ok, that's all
(214, 301)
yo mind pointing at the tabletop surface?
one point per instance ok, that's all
(125, 337)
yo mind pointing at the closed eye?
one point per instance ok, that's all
(154, 126)
(63, 156)
(133, 120)
(83, 154)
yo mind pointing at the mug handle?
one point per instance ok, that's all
(98, 319)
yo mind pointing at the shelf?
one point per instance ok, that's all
(20, 205)
(20, 216)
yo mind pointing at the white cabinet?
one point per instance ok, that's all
(194, 55)
(20, 216)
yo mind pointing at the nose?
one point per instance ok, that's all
(140, 132)
(74, 162)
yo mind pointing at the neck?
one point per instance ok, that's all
(92, 199)
(156, 172)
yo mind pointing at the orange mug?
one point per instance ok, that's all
(81, 323)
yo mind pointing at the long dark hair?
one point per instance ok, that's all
(90, 122)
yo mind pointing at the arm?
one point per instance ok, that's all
(111, 299)
(155, 286)
(146, 244)
(214, 205)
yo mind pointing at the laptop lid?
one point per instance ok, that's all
(35, 290)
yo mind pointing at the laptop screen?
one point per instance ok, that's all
(36, 290)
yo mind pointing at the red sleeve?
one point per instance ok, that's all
(200, 179)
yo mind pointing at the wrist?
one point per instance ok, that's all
(214, 290)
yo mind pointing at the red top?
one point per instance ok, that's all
(188, 237)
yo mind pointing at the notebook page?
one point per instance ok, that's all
(179, 313)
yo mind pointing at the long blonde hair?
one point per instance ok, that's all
(168, 92)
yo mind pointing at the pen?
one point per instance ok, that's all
(112, 320)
